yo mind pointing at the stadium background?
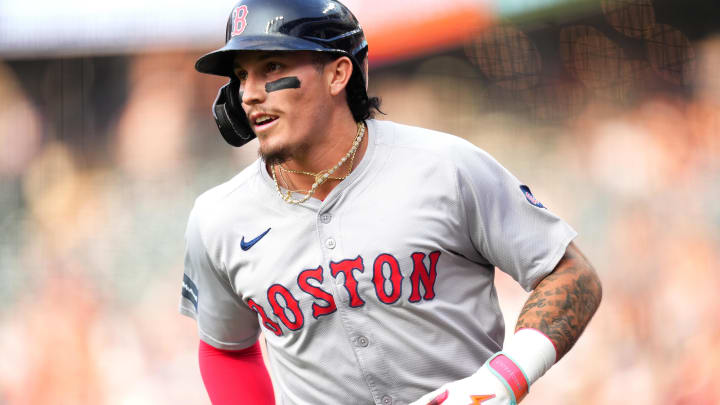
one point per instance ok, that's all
(609, 110)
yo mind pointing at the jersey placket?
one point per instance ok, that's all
(343, 265)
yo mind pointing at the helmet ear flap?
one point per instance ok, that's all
(230, 117)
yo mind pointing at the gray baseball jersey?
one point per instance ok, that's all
(383, 291)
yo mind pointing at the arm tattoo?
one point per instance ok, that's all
(563, 302)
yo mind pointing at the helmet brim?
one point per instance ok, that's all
(220, 61)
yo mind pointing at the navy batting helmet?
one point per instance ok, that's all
(281, 25)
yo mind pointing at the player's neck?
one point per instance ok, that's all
(323, 155)
(327, 148)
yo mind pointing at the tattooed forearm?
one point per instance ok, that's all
(564, 301)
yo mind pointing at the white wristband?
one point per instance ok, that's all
(532, 351)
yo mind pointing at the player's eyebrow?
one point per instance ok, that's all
(261, 57)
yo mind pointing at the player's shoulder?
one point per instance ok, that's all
(424, 147)
(423, 140)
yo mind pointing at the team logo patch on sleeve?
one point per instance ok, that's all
(530, 197)
(190, 291)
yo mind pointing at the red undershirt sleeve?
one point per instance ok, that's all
(235, 376)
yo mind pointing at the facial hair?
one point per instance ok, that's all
(281, 155)
(275, 157)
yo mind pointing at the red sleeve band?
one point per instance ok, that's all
(235, 376)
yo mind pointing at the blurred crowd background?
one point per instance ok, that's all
(610, 112)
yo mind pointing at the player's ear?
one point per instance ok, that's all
(338, 73)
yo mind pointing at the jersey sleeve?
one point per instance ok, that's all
(223, 320)
(507, 225)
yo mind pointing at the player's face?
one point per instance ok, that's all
(284, 96)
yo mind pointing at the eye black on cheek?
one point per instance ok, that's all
(291, 82)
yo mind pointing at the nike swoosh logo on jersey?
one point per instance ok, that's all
(247, 245)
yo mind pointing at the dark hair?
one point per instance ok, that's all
(361, 105)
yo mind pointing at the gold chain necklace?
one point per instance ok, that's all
(319, 174)
(323, 176)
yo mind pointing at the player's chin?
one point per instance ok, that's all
(273, 154)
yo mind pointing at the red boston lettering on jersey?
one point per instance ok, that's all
(317, 292)
(387, 278)
(421, 273)
(346, 267)
(292, 305)
(269, 325)
(395, 278)
(239, 20)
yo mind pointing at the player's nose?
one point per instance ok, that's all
(252, 90)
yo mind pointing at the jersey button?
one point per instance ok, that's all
(330, 243)
(362, 341)
(325, 218)
(387, 400)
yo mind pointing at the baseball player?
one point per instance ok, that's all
(363, 250)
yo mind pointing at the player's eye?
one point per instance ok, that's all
(241, 75)
(273, 67)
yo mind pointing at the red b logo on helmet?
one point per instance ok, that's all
(239, 22)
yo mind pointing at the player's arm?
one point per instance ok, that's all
(232, 367)
(563, 302)
(549, 324)
(235, 376)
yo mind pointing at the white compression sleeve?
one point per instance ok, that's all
(532, 351)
